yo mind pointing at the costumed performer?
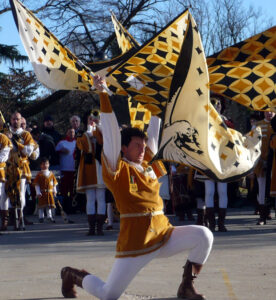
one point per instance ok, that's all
(145, 232)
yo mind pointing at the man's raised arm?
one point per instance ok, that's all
(110, 129)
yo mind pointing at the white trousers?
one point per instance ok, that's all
(48, 213)
(210, 192)
(93, 195)
(197, 239)
(4, 201)
(109, 211)
(261, 193)
(23, 192)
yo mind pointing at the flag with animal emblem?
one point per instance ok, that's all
(54, 65)
(246, 71)
(124, 38)
(146, 76)
(193, 132)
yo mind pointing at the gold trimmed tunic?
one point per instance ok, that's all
(5, 143)
(89, 172)
(143, 226)
(46, 185)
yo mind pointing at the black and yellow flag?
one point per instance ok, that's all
(246, 71)
(125, 40)
(147, 75)
(193, 132)
(54, 65)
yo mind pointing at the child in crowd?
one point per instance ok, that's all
(45, 186)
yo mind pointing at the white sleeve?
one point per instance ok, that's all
(28, 150)
(4, 154)
(35, 153)
(153, 134)
(37, 190)
(111, 139)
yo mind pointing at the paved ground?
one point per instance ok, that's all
(242, 264)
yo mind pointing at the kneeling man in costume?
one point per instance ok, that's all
(145, 232)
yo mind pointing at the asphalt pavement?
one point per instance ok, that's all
(242, 264)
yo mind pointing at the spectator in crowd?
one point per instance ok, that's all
(89, 177)
(48, 128)
(45, 186)
(65, 148)
(48, 140)
(23, 123)
(75, 124)
(261, 167)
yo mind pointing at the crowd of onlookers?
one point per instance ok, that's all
(75, 162)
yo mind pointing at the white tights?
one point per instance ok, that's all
(210, 192)
(197, 239)
(4, 202)
(261, 193)
(93, 195)
(48, 213)
(109, 211)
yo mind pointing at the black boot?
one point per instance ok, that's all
(92, 224)
(4, 220)
(11, 217)
(186, 289)
(200, 216)
(99, 224)
(210, 216)
(71, 277)
(221, 220)
(263, 213)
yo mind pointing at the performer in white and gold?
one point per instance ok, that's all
(89, 177)
(5, 147)
(145, 232)
(18, 170)
(261, 167)
(46, 189)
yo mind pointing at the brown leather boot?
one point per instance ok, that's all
(186, 289)
(4, 220)
(221, 220)
(92, 224)
(99, 224)
(210, 215)
(71, 277)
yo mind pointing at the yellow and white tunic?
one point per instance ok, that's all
(89, 170)
(143, 226)
(27, 147)
(45, 185)
(5, 148)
